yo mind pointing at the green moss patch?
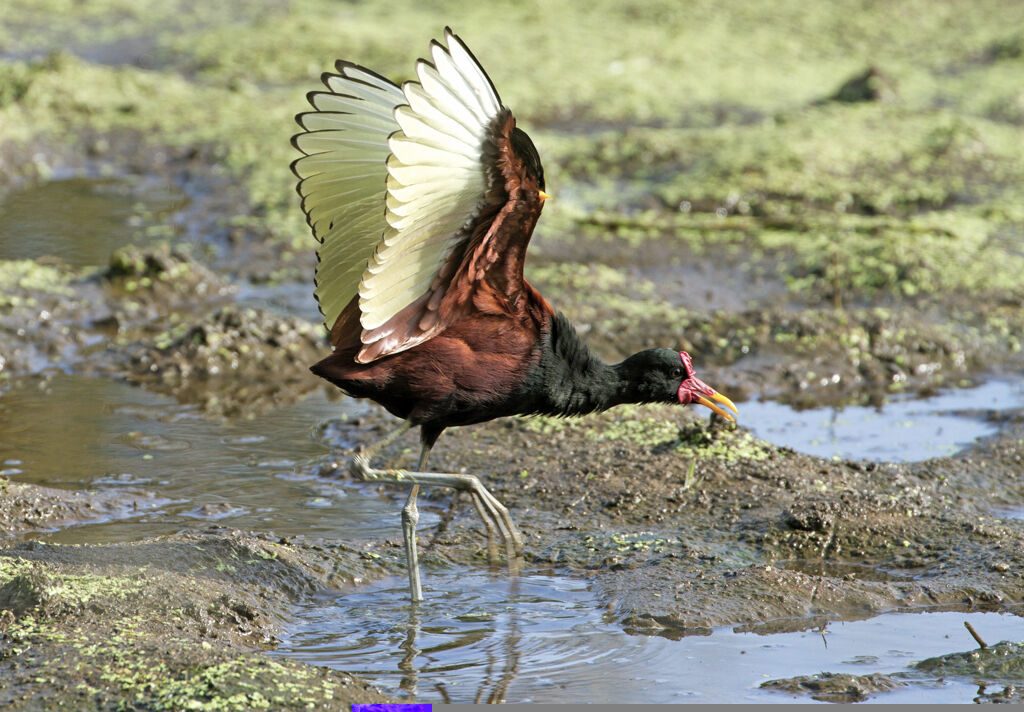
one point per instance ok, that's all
(94, 634)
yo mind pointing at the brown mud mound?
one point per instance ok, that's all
(833, 687)
(234, 362)
(169, 623)
(25, 507)
(1000, 666)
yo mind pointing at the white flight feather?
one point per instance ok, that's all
(469, 68)
(391, 179)
(449, 73)
(423, 106)
(445, 98)
(409, 151)
(344, 177)
(337, 103)
(421, 179)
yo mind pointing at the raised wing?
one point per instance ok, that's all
(438, 186)
(343, 177)
(421, 219)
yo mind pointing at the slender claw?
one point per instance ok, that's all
(495, 515)
(492, 549)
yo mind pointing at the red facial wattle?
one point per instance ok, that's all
(694, 390)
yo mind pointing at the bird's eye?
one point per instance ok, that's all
(677, 372)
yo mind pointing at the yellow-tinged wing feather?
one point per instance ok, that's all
(436, 184)
(391, 179)
(343, 176)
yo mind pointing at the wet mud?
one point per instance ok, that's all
(30, 508)
(733, 229)
(172, 623)
(996, 668)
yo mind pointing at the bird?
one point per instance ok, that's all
(424, 198)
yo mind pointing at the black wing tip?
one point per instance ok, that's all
(312, 95)
(300, 120)
(342, 64)
(452, 37)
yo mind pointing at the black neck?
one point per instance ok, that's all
(570, 379)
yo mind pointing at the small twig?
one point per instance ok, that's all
(439, 686)
(974, 634)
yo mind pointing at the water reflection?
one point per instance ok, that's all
(82, 220)
(262, 474)
(467, 642)
(539, 637)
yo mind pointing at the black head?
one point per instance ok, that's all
(667, 376)
(527, 153)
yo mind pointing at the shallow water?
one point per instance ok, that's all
(541, 638)
(79, 432)
(905, 429)
(273, 471)
(82, 220)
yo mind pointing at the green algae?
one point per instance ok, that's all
(28, 581)
(120, 635)
(643, 431)
(724, 444)
(11, 567)
(636, 425)
(20, 278)
(873, 200)
(214, 70)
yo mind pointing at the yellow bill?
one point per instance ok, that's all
(721, 411)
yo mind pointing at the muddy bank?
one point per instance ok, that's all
(707, 527)
(172, 623)
(142, 319)
(236, 362)
(996, 670)
(160, 317)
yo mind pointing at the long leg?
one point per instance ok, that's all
(494, 514)
(410, 516)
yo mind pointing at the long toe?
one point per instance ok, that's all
(485, 517)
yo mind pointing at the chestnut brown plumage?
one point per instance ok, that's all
(425, 198)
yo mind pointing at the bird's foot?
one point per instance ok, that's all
(359, 467)
(365, 452)
(497, 520)
(495, 516)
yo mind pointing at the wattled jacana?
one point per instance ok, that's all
(424, 198)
